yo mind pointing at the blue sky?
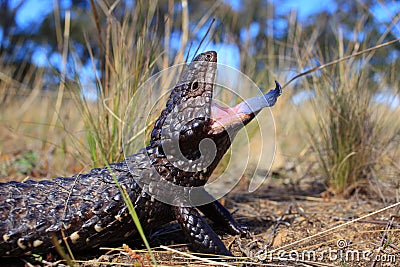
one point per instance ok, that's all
(304, 7)
(33, 12)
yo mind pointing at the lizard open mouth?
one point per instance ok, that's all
(242, 113)
(224, 118)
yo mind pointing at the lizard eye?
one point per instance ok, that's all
(194, 85)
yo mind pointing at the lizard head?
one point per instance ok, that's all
(187, 115)
(191, 116)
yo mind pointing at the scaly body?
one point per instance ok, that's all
(88, 209)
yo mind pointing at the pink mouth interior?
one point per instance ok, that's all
(225, 115)
(240, 113)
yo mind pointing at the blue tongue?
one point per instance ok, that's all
(257, 103)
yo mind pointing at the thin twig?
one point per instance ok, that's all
(335, 228)
(64, 58)
(98, 27)
(196, 257)
(279, 221)
(365, 221)
(340, 60)
(388, 227)
(204, 37)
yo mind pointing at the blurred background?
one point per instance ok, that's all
(69, 68)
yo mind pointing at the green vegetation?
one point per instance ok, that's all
(130, 53)
(350, 139)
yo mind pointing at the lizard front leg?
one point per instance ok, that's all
(200, 234)
(220, 215)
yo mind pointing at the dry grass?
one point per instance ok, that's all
(26, 127)
(354, 140)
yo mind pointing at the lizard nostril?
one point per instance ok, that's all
(195, 85)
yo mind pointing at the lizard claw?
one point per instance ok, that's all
(236, 228)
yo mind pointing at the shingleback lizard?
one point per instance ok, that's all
(88, 209)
